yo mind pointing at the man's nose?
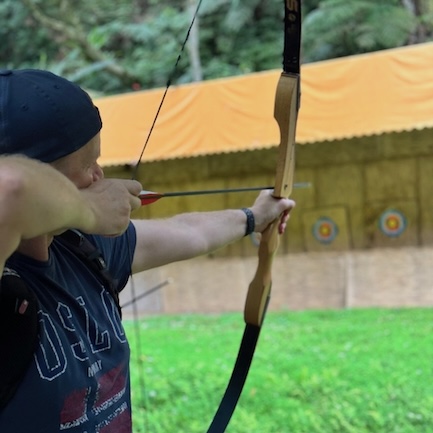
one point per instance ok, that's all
(98, 173)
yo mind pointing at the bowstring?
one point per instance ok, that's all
(167, 86)
(143, 397)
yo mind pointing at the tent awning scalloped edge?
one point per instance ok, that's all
(371, 94)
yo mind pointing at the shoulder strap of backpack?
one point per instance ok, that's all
(92, 256)
(18, 332)
(19, 324)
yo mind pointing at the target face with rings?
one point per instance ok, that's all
(392, 223)
(325, 230)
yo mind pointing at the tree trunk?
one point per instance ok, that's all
(193, 45)
(420, 9)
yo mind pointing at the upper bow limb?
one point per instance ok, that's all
(287, 102)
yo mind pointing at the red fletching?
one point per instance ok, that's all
(149, 197)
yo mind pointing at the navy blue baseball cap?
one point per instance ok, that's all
(44, 116)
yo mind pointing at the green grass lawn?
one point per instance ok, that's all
(357, 371)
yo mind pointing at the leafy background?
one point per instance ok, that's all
(126, 45)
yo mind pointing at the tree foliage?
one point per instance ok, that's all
(114, 47)
(339, 28)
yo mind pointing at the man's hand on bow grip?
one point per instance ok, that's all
(267, 209)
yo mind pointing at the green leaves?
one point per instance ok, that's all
(113, 47)
(340, 28)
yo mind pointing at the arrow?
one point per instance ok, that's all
(149, 197)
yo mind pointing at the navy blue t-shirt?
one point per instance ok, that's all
(78, 381)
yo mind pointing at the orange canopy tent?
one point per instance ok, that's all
(375, 93)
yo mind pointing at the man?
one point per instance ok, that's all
(73, 376)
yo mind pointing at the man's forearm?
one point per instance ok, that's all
(36, 199)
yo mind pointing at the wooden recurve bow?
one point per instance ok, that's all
(287, 102)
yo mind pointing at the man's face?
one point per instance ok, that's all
(81, 167)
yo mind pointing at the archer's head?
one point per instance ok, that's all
(44, 116)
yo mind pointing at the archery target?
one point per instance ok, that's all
(325, 230)
(392, 223)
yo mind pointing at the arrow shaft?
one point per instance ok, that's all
(144, 194)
